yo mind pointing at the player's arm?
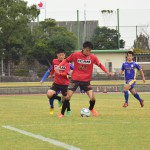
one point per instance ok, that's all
(68, 59)
(66, 71)
(61, 64)
(51, 70)
(102, 67)
(51, 73)
(47, 73)
(45, 76)
(142, 75)
(105, 70)
(121, 71)
(141, 72)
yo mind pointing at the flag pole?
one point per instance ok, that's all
(45, 9)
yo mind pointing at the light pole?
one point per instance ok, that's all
(2, 64)
(118, 28)
(78, 30)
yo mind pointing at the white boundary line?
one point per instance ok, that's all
(52, 141)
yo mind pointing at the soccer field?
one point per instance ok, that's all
(116, 128)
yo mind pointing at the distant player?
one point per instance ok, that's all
(55, 96)
(129, 68)
(81, 75)
(61, 80)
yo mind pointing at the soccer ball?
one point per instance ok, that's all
(85, 112)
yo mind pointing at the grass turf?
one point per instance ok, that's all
(116, 128)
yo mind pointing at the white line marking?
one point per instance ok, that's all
(64, 124)
(54, 142)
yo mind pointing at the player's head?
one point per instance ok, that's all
(87, 47)
(130, 56)
(61, 54)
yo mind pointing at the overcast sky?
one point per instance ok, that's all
(131, 13)
(57, 5)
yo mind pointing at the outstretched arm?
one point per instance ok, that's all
(121, 71)
(142, 75)
(105, 70)
(45, 76)
(96, 62)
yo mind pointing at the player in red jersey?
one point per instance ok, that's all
(81, 75)
(61, 80)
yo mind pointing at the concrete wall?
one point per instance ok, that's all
(43, 90)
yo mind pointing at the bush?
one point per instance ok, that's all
(21, 72)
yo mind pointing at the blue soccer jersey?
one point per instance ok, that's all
(130, 69)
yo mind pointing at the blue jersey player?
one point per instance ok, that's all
(130, 68)
(55, 96)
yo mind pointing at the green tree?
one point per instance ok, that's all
(142, 42)
(48, 38)
(15, 16)
(105, 38)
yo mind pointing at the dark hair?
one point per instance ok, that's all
(61, 50)
(87, 44)
(130, 52)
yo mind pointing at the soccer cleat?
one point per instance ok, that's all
(51, 111)
(94, 112)
(59, 103)
(68, 113)
(125, 105)
(60, 116)
(142, 103)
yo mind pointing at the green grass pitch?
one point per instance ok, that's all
(116, 128)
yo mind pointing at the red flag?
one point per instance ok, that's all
(41, 5)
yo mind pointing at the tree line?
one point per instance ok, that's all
(20, 37)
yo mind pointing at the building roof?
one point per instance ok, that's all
(142, 54)
(107, 51)
(110, 51)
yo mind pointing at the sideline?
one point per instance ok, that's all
(51, 141)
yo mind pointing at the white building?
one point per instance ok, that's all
(111, 59)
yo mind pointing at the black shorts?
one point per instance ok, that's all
(63, 88)
(86, 86)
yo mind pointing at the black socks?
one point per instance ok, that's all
(56, 97)
(66, 104)
(92, 103)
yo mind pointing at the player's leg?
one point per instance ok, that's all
(64, 93)
(66, 104)
(50, 94)
(51, 102)
(68, 97)
(91, 95)
(126, 94)
(55, 96)
(86, 86)
(136, 95)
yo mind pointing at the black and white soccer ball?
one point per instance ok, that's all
(85, 112)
